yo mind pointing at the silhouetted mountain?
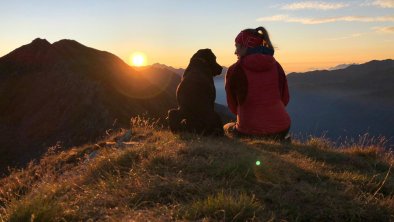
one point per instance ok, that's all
(341, 66)
(180, 71)
(71, 93)
(344, 103)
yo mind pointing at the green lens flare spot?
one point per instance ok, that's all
(258, 163)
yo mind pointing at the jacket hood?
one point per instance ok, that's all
(258, 62)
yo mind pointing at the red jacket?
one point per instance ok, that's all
(257, 92)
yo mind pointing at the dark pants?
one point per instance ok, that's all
(231, 129)
(179, 121)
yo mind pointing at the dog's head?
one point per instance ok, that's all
(207, 56)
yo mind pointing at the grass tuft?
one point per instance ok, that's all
(224, 207)
(41, 207)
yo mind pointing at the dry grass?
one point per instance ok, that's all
(166, 177)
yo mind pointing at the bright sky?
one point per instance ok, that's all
(307, 34)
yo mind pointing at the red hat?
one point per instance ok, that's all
(248, 39)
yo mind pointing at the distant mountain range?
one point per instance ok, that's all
(180, 71)
(344, 103)
(341, 66)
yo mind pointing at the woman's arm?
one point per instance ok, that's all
(236, 86)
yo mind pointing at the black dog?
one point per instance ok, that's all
(196, 97)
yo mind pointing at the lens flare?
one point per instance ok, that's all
(258, 163)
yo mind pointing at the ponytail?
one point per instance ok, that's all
(263, 34)
(253, 38)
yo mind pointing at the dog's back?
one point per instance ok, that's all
(196, 94)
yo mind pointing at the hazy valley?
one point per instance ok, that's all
(342, 104)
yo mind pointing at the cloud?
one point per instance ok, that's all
(274, 18)
(314, 21)
(314, 5)
(387, 29)
(380, 3)
(351, 36)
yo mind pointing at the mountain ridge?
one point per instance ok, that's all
(351, 66)
(346, 103)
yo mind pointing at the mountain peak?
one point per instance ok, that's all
(67, 42)
(62, 42)
(28, 54)
(41, 42)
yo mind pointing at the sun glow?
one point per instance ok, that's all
(138, 59)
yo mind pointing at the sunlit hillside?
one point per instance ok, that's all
(154, 175)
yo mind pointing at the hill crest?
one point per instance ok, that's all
(156, 175)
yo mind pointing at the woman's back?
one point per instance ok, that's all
(263, 111)
(256, 87)
(262, 79)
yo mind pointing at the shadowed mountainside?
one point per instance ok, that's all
(71, 93)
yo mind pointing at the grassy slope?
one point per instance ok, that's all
(165, 177)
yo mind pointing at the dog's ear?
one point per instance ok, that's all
(210, 58)
(205, 54)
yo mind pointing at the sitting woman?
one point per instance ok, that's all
(256, 88)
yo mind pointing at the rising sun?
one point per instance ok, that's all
(138, 59)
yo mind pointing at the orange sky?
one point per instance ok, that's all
(307, 34)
